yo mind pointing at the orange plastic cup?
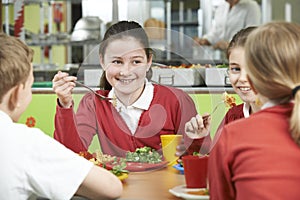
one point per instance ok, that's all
(195, 171)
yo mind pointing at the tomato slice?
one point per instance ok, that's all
(108, 167)
(87, 155)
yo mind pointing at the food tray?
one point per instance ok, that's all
(92, 77)
(179, 76)
(216, 77)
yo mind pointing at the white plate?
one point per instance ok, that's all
(183, 192)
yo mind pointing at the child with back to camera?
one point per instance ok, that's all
(259, 157)
(32, 163)
(138, 112)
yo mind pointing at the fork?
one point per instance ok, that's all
(216, 107)
(99, 95)
(214, 110)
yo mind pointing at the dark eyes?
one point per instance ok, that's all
(234, 70)
(137, 61)
(118, 62)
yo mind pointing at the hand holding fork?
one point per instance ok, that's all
(199, 126)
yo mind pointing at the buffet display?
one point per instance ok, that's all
(191, 75)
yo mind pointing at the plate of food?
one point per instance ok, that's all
(144, 159)
(140, 167)
(190, 193)
(111, 163)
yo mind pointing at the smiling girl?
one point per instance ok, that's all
(197, 127)
(139, 111)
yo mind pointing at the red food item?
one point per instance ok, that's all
(105, 166)
(229, 100)
(87, 155)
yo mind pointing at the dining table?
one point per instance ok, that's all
(149, 185)
(152, 184)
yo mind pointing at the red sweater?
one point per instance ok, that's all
(232, 114)
(170, 109)
(256, 158)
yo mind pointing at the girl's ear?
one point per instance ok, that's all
(149, 62)
(101, 60)
(15, 97)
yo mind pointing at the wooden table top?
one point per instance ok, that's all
(152, 184)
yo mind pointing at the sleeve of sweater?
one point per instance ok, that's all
(186, 112)
(76, 131)
(65, 129)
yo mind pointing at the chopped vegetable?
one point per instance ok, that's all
(116, 165)
(180, 162)
(222, 66)
(119, 169)
(196, 154)
(144, 155)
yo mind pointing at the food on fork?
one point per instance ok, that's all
(229, 100)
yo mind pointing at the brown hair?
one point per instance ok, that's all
(239, 39)
(273, 65)
(120, 30)
(15, 63)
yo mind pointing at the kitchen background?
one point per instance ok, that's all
(50, 26)
(65, 35)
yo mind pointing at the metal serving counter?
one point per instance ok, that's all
(189, 90)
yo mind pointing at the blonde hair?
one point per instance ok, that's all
(15, 63)
(273, 65)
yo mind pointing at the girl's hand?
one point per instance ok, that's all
(198, 126)
(63, 85)
(181, 149)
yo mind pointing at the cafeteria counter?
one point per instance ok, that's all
(189, 90)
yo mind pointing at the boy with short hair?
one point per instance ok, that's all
(32, 163)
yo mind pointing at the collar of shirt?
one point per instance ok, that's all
(143, 102)
(246, 110)
(269, 104)
(5, 117)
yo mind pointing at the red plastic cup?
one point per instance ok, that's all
(195, 171)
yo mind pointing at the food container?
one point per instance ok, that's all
(179, 76)
(217, 77)
(92, 77)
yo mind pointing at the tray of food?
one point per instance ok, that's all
(217, 76)
(183, 75)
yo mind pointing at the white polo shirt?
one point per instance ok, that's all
(131, 114)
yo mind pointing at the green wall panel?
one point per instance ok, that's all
(43, 106)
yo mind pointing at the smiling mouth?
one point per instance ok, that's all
(245, 89)
(126, 81)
